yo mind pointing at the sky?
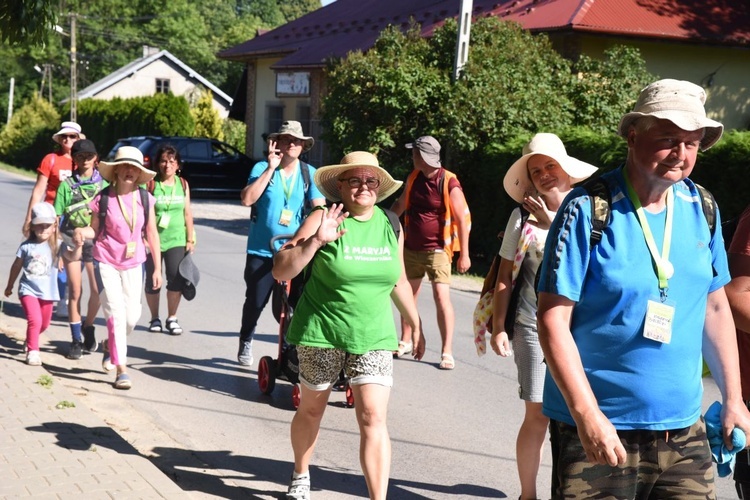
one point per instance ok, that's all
(326, 2)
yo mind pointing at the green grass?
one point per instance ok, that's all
(22, 171)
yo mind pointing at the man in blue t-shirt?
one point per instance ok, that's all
(277, 190)
(625, 322)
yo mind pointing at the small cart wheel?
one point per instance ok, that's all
(296, 395)
(266, 374)
(349, 396)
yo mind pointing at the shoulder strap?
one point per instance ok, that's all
(708, 203)
(103, 204)
(393, 219)
(601, 200)
(184, 184)
(144, 203)
(305, 170)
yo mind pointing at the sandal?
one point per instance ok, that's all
(447, 362)
(404, 348)
(155, 325)
(173, 328)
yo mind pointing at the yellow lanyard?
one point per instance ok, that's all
(130, 222)
(664, 268)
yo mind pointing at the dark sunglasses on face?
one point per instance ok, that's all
(69, 136)
(356, 182)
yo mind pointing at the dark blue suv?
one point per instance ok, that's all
(213, 168)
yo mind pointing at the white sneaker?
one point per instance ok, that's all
(33, 358)
(61, 311)
(299, 488)
(245, 355)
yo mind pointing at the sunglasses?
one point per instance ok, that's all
(69, 136)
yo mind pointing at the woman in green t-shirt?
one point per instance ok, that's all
(343, 319)
(174, 220)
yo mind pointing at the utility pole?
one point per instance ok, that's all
(462, 42)
(10, 98)
(73, 74)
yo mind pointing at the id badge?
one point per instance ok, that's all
(164, 221)
(659, 320)
(130, 250)
(286, 217)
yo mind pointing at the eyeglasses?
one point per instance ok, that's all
(69, 136)
(288, 139)
(356, 182)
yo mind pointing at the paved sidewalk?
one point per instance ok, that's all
(50, 450)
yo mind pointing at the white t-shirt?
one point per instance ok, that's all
(527, 299)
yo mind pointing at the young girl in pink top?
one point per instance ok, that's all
(37, 264)
(120, 251)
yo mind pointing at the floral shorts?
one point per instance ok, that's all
(319, 367)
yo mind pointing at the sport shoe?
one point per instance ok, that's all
(33, 358)
(61, 311)
(123, 382)
(76, 350)
(89, 339)
(299, 488)
(245, 355)
(173, 328)
(155, 325)
(107, 365)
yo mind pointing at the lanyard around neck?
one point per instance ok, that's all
(130, 222)
(288, 188)
(664, 268)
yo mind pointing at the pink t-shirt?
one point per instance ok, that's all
(111, 245)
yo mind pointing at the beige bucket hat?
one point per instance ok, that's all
(678, 101)
(294, 129)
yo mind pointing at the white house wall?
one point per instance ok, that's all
(143, 83)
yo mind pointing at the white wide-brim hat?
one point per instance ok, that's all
(517, 182)
(678, 101)
(327, 178)
(126, 155)
(67, 128)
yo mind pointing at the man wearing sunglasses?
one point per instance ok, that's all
(280, 192)
(436, 224)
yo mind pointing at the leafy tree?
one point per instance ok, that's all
(608, 88)
(112, 33)
(208, 123)
(22, 21)
(28, 135)
(513, 85)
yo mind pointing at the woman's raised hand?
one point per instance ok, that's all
(537, 207)
(328, 230)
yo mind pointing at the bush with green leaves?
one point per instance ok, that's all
(513, 86)
(27, 138)
(104, 122)
(208, 123)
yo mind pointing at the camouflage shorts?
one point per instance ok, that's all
(659, 464)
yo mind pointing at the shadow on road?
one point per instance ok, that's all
(188, 470)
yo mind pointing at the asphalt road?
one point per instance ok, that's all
(201, 418)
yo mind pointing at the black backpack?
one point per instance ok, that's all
(106, 194)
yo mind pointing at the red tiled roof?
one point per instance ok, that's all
(347, 25)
